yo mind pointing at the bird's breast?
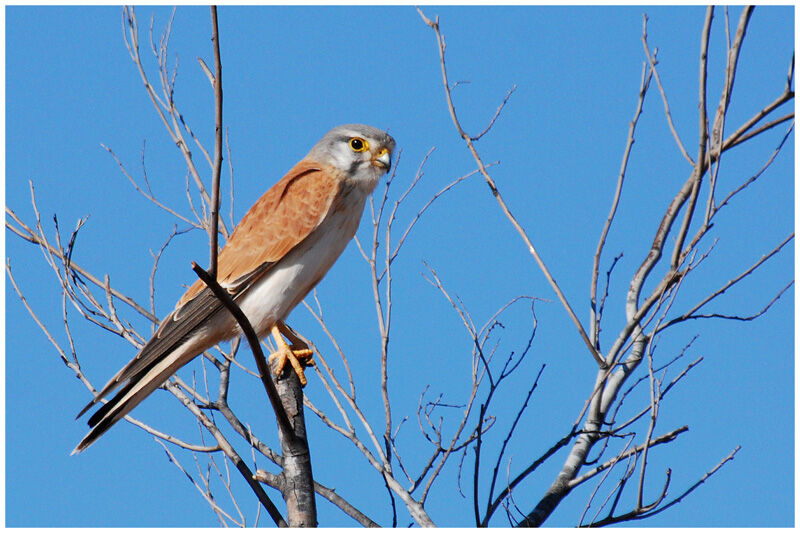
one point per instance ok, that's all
(286, 284)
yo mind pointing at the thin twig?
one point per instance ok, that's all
(700, 166)
(637, 515)
(594, 320)
(213, 230)
(29, 235)
(490, 182)
(690, 313)
(651, 58)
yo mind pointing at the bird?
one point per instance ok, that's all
(278, 252)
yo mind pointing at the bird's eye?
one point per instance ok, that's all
(358, 144)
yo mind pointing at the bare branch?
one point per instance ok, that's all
(700, 166)
(761, 129)
(206, 70)
(496, 114)
(718, 127)
(131, 33)
(230, 171)
(594, 320)
(237, 460)
(730, 76)
(29, 235)
(468, 140)
(329, 494)
(747, 318)
(490, 507)
(651, 59)
(620, 484)
(73, 365)
(636, 515)
(422, 211)
(691, 313)
(213, 229)
(148, 194)
(788, 94)
(527, 471)
(758, 174)
(203, 492)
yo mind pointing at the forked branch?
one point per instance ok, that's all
(434, 25)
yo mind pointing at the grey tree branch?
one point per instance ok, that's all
(131, 34)
(761, 129)
(147, 194)
(637, 515)
(608, 383)
(287, 397)
(243, 469)
(29, 235)
(667, 437)
(213, 230)
(700, 166)
(329, 494)
(594, 318)
(202, 490)
(434, 25)
(651, 59)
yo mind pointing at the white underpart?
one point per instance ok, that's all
(272, 297)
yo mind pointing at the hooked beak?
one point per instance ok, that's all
(382, 159)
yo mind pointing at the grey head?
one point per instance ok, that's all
(361, 151)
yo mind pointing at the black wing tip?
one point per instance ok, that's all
(79, 448)
(91, 436)
(87, 441)
(86, 408)
(99, 427)
(106, 408)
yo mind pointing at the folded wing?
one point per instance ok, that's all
(280, 220)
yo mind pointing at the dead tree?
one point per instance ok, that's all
(453, 431)
(687, 220)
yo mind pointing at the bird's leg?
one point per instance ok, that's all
(296, 341)
(301, 346)
(298, 351)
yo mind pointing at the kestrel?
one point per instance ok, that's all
(277, 253)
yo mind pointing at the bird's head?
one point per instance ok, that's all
(362, 152)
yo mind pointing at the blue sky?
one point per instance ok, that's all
(290, 74)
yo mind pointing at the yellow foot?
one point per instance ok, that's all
(298, 354)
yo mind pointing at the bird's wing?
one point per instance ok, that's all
(280, 220)
(284, 216)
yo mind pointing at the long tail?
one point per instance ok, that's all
(186, 332)
(138, 387)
